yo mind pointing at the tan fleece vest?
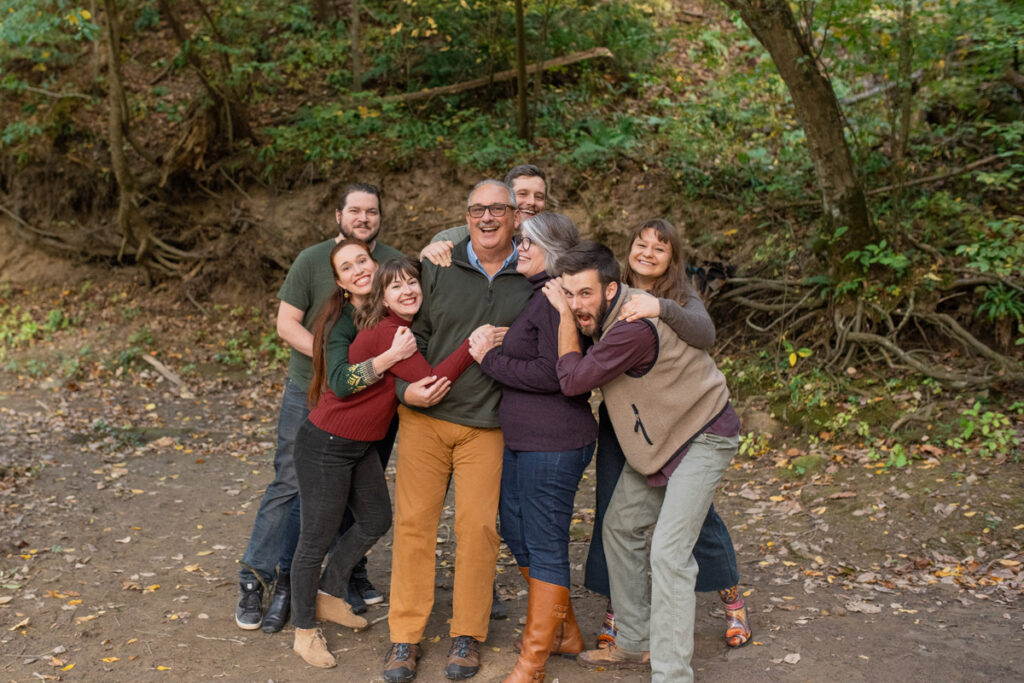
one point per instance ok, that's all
(658, 412)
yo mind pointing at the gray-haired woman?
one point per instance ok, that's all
(549, 440)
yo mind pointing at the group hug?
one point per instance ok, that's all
(478, 362)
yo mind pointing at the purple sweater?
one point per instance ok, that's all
(534, 413)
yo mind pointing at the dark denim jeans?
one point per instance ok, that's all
(291, 537)
(537, 492)
(271, 521)
(713, 551)
(334, 473)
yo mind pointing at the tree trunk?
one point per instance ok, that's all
(524, 112)
(357, 53)
(843, 199)
(134, 232)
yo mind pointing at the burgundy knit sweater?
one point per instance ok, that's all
(365, 416)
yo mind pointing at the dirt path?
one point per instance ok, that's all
(126, 547)
(124, 507)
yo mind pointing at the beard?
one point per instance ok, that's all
(602, 310)
(347, 232)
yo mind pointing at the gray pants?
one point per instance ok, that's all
(676, 512)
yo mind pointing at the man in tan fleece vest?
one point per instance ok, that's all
(671, 412)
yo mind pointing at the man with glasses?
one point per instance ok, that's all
(530, 186)
(458, 438)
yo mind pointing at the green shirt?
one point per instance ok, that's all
(308, 286)
(456, 234)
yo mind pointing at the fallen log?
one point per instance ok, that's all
(501, 76)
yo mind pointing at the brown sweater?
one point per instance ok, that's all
(658, 411)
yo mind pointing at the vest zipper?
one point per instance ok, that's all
(639, 426)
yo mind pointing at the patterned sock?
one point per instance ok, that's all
(606, 637)
(737, 629)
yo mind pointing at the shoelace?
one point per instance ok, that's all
(402, 651)
(460, 648)
(251, 599)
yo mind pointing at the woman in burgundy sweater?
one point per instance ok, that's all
(335, 460)
(549, 440)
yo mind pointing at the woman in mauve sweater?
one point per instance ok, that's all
(549, 440)
(335, 460)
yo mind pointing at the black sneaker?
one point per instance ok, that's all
(354, 599)
(360, 582)
(249, 613)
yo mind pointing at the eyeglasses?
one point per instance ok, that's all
(523, 242)
(497, 210)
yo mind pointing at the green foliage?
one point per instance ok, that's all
(881, 254)
(138, 343)
(990, 432)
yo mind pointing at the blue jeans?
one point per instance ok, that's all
(537, 492)
(334, 474)
(291, 534)
(268, 529)
(713, 551)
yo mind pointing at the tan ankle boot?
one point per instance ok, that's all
(330, 608)
(312, 647)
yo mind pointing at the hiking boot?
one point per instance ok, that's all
(361, 582)
(312, 647)
(463, 658)
(400, 664)
(330, 608)
(614, 657)
(280, 605)
(249, 613)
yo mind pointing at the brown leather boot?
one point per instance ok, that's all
(545, 613)
(567, 640)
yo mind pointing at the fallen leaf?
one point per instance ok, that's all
(126, 539)
(4, 599)
(791, 658)
(163, 668)
(204, 553)
(862, 607)
(843, 494)
(110, 660)
(69, 667)
(21, 624)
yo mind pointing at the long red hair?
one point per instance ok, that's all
(329, 315)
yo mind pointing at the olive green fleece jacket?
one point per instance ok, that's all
(456, 301)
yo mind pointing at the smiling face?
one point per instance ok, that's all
(532, 259)
(491, 233)
(649, 257)
(353, 271)
(588, 299)
(531, 194)
(360, 218)
(403, 296)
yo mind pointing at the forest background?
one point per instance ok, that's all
(854, 167)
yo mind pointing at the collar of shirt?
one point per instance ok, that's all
(475, 261)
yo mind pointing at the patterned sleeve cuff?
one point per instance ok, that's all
(362, 375)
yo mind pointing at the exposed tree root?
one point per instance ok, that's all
(913, 336)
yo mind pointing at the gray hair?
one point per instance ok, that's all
(555, 233)
(492, 181)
